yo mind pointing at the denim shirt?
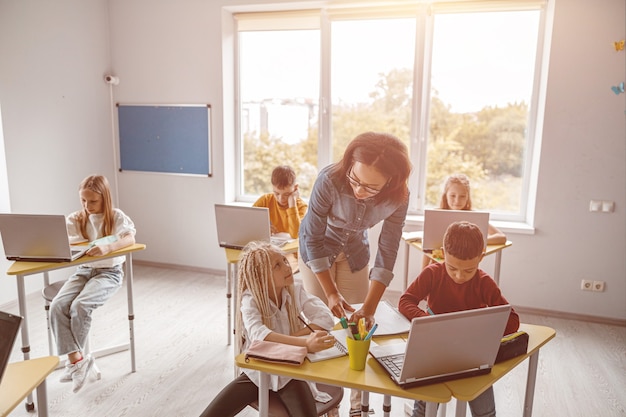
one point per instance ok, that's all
(337, 222)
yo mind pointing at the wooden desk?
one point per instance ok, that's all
(232, 259)
(337, 372)
(469, 388)
(375, 379)
(21, 269)
(417, 244)
(21, 378)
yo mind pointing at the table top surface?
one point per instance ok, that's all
(26, 268)
(21, 378)
(232, 255)
(374, 378)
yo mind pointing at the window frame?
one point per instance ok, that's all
(419, 129)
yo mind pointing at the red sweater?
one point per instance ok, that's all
(443, 295)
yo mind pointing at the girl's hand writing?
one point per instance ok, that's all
(319, 340)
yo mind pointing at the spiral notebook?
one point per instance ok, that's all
(339, 348)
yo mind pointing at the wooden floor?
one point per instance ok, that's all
(183, 360)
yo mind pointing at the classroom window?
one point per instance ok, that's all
(457, 81)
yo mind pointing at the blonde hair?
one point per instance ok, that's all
(463, 181)
(100, 185)
(255, 274)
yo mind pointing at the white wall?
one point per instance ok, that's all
(167, 51)
(55, 114)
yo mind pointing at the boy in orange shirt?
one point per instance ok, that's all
(284, 203)
(457, 284)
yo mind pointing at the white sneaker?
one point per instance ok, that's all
(80, 372)
(66, 376)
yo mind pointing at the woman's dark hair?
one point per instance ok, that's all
(384, 152)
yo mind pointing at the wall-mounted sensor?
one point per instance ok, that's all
(111, 79)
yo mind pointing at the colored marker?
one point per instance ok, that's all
(371, 332)
(355, 331)
(344, 324)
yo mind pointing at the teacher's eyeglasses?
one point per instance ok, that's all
(356, 184)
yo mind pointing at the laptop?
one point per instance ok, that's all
(37, 237)
(239, 225)
(445, 347)
(436, 221)
(9, 327)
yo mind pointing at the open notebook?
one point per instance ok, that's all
(390, 321)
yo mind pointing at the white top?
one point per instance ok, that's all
(312, 308)
(123, 225)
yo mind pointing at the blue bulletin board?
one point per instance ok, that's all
(165, 138)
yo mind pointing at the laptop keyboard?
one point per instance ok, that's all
(394, 363)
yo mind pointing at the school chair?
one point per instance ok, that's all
(329, 409)
(48, 293)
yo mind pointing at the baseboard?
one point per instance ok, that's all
(393, 296)
(219, 272)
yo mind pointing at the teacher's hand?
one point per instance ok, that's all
(338, 305)
(360, 313)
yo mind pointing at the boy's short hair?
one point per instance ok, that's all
(283, 176)
(463, 240)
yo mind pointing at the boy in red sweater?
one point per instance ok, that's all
(457, 284)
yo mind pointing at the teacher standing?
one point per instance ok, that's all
(367, 186)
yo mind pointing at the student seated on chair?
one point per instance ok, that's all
(284, 203)
(270, 305)
(456, 196)
(94, 283)
(457, 284)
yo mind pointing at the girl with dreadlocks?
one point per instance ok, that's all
(270, 306)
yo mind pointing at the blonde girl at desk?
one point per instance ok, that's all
(456, 196)
(94, 283)
(270, 307)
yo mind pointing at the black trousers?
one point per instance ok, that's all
(296, 397)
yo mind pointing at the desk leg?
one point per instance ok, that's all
(51, 350)
(496, 267)
(229, 296)
(530, 384)
(461, 408)
(365, 404)
(42, 399)
(264, 394)
(386, 405)
(431, 409)
(21, 299)
(131, 313)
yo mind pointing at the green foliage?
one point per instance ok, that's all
(487, 146)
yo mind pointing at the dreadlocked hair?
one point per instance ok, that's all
(255, 274)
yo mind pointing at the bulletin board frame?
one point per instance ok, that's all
(165, 138)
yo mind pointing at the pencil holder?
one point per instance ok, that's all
(357, 352)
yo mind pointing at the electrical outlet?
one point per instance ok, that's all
(586, 285)
(598, 286)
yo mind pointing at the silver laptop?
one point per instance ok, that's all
(9, 327)
(445, 347)
(37, 237)
(436, 221)
(239, 225)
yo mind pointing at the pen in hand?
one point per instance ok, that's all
(312, 329)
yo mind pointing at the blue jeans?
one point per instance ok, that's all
(70, 311)
(482, 406)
